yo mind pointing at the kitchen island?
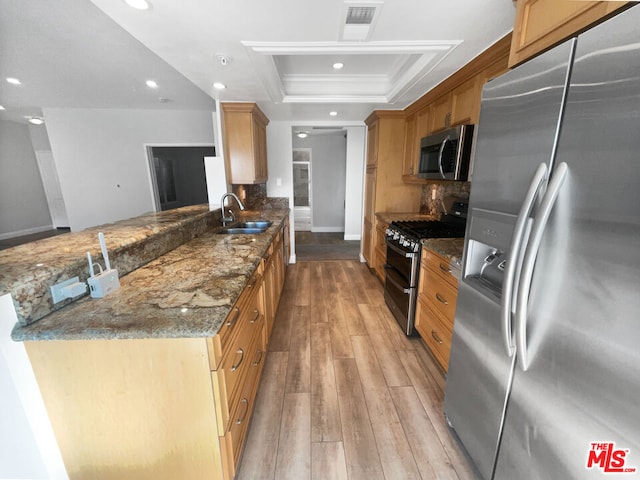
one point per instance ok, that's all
(186, 292)
(158, 378)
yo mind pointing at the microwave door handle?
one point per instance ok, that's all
(444, 143)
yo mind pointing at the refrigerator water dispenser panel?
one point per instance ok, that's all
(487, 251)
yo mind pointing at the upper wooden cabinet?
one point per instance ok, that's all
(541, 24)
(245, 139)
(465, 101)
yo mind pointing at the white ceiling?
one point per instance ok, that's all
(68, 53)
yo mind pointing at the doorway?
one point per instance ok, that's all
(319, 187)
(302, 189)
(178, 174)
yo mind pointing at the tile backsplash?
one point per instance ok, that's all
(434, 204)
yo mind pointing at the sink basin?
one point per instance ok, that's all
(263, 224)
(247, 227)
(240, 230)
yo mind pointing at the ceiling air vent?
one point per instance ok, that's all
(360, 15)
(359, 19)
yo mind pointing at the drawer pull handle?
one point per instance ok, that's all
(253, 281)
(257, 362)
(236, 314)
(441, 299)
(256, 315)
(246, 410)
(444, 268)
(436, 337)
(235, 366)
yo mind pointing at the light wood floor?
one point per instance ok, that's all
(344, 393)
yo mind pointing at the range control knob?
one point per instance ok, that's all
(388, 232)
(396, 235)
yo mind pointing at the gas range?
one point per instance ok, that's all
(408, 234)
(403, 259)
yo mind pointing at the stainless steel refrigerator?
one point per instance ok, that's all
(544, 373)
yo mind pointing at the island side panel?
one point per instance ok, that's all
(130, 409)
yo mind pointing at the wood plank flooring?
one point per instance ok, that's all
(344, 393)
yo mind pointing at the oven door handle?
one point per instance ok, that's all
(390, 272)
(400, 251)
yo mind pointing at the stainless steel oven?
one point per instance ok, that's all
(402, 268)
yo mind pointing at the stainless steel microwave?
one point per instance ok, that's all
(446, 155)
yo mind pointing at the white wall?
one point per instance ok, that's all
(328, 168)
(101, 157)
(280, 157)
(23, 204)
(356, 138)
(28, 449)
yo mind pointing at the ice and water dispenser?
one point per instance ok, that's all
(487, 251)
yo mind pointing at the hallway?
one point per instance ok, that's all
(344, 394)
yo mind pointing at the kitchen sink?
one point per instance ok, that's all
(247, 227)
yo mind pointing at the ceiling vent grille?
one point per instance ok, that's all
(360, 15)
(359, 18)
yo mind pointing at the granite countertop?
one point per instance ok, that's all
(27, 271)
(186, 292)
(450, 248)
(388, 217)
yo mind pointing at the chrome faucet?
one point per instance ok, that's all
(231, 216)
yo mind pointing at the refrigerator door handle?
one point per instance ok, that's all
(526, 276)
(515, 257)
(444, 143)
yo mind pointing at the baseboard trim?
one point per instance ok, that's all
(292, 258)
(327, 229)
(352, 237)
(27, 231)
(362, 259)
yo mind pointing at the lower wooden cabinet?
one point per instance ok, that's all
(381, 249)
(162, 408)
(274, 271)
(436, 306)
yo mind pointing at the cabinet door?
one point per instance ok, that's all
(372, 145)
(260, 149)
(367, 242)
(441, 113)
(410, 155)
(465, 104)
(539, 24)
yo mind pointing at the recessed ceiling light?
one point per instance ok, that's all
(1, 107)
(333, 114)
(219, 86)
(338, 65)
(14, 81)
(152, 84)
(302, 134)
(138, 4)
(35, 120)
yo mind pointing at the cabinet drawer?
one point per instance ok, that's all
(228, 379)
(221, 343)
(233, 441)
(439, 264)
(435, 290)
(434, 332)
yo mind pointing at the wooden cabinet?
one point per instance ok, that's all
(465, 101)
(161, 408)
(385, 190)
(273, 262)
(245, 143)
(436, 306)
(441, 113)
(381, 249)
(541, 24)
